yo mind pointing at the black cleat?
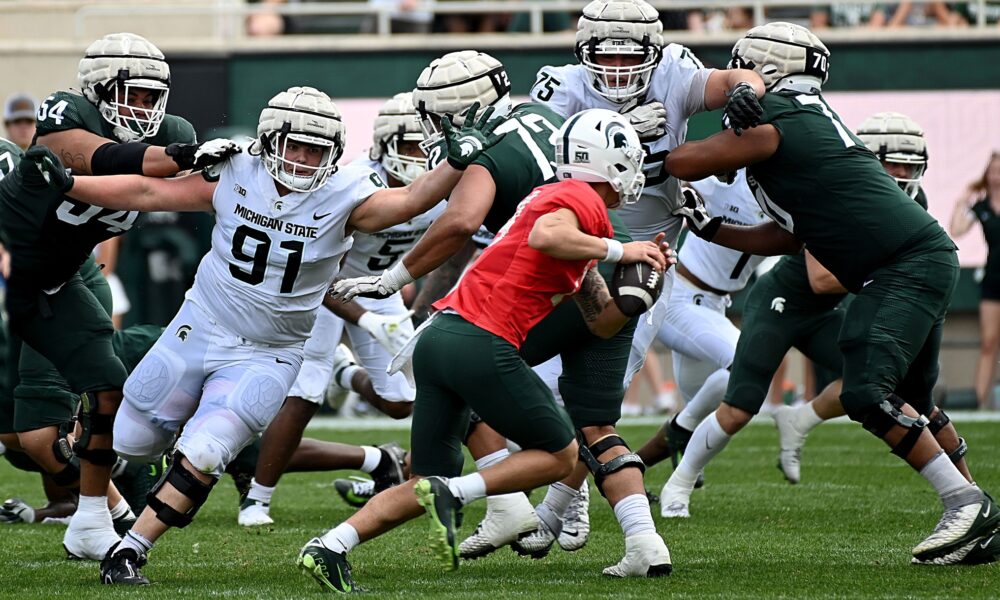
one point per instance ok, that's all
(677, 440)
(124, 523)
(121, 567)
(445, 512)
(389, 471)
(327, 567)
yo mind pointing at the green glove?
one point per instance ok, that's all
(51, 168)
(466, 143)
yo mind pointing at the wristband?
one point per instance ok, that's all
(396, 277)
(615, 250)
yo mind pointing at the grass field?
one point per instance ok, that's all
(846, 531)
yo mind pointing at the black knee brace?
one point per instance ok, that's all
(69, 477)
(187, 484)
(21, 461)
(474, 420)
(589, 454)
(882, 417)
(94, 423)
(937, 421)
(959, 453)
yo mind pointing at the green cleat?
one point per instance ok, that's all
(356, 491)
(329, 568)
(445, 515)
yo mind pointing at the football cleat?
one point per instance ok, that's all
(356, 491)
(536, 543)
(646, 555)
(507, 517)
(576, 521)
(389, 471)
(674, 501)
(15, 510)
(980, 551)
(254, 513)
(121, 567)
(677, 440)
(445, 513)
(124, 523)
(335, 394)
(89, 537)
(959, 527)
(327, 567)
(790, 458)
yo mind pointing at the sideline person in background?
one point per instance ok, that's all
(981, 202)
(19, 119)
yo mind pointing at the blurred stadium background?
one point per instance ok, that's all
(937, 62)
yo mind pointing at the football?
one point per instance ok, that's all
(635, 287)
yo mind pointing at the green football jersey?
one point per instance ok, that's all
(10, 155)
(825, 187)
(791, 279)
(51, 235)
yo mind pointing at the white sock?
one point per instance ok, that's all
(707, 440)
(468, 488)
(633, 515)
(948, 482)
(135, 541)
(121, 509)
(94, 505)
(260, 493)
(806, 418)
(372, 457)
(707, 399)
(559, 497)
(346, 375)
(342, 538)
(491, 459)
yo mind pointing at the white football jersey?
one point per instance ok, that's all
(373, 253)
(720, 267)
(273, 257)
(679, 83)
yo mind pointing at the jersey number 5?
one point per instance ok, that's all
(261, 247)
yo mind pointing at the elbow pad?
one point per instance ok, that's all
(118, 159)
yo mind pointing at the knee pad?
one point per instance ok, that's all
(959, 453)
(937, 421)
(256, 400)
(589, 454)
(94, 423)
(205, 455)
(188, 485)
(882, 417)
(69, 477)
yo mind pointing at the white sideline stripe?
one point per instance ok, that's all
(385, 424)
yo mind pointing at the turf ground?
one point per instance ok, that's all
(845, 532)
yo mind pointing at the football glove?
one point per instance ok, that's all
(742, 110)
(372, 286)
(50, 167)
(200, 156)
(698, 220)
(649, 120)
(465, 144)
(387, 330)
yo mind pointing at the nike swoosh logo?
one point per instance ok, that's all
(282, 362)
(343, 584)
(572, 533)
(986, 510)
(986, 542)
(317, 217)
(865, 284)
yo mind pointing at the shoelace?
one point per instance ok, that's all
(947, 519)
(363, 487)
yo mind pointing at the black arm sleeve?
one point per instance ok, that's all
(118, 159)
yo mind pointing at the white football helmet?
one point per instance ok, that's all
(601, 145)
(785, 55)
(117, 64)
(303, 115)
(898, 139)
(398, 121)
(452, 83)
(624, 27)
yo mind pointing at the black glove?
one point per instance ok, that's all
(698, 220)
(51, 168)
(199, 156)
(742, 110)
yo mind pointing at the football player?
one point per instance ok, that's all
(56, 297)
(593, 368)
(823, 188)
(466, 357)
(284, 217)
(378, 328)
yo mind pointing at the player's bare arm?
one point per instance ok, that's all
(440, 280)
(721, 83)
(821, 280)
(599, 310)
(722, 153)
(558, 234)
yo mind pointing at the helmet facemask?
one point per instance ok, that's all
(619, 84)
(133, 123)
(913, 166)
(298, 175)
(403, 167)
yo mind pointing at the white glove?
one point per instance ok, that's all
(390, 331)
(215, 151)
(372, 286)
(649, 120)
(694, 212)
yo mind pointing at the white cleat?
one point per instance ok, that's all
(89, 536)
(790, 458)
(536, 543)
(507, 517)
(674, 501)
(646, 555)
(576, 521)
(254, 514)
(336, 395)
(957, 528)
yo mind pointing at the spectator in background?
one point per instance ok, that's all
(968, 13)
(861, 14)
(982, 203)
(551, 22)
(405, 18)
(919, 14)
(19, 119)
(470, 23)
(266, 22)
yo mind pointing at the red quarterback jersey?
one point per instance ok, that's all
(512, 286)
